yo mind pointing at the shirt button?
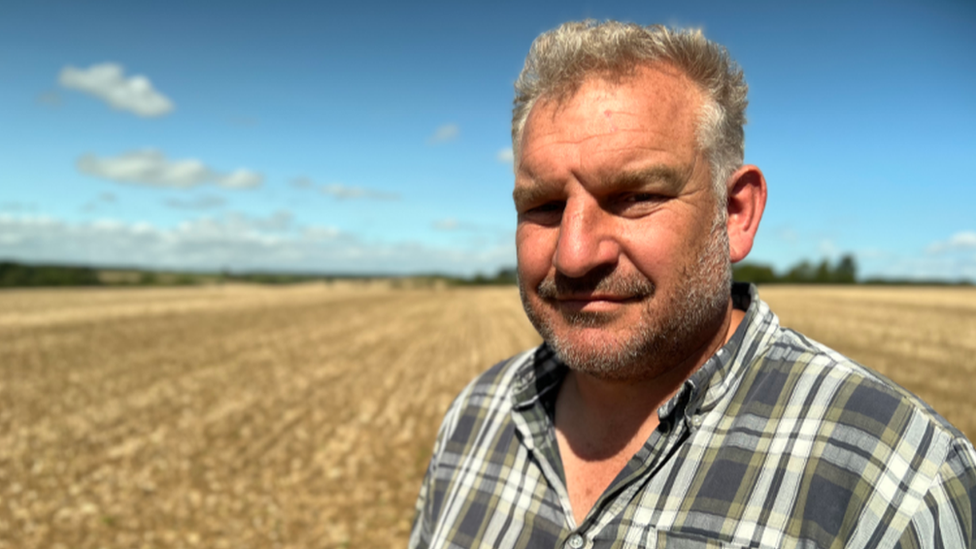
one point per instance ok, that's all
(696, 421)
(575, 541)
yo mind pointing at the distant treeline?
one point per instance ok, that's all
(504, 276)
(825, 272)
(805, 272)
(12, 274)
(15, 274)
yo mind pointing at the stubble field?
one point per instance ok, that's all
(303, 416)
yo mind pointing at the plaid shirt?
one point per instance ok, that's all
(776, 441)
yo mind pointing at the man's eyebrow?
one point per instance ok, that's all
(530, 193)
(672, 177)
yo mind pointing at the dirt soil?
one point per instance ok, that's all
(240, 417)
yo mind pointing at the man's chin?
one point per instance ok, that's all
(593, 343)
(603, 343)
(581, 320)
(597, 355)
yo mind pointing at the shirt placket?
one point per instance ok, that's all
(534, 425)
(672, 430)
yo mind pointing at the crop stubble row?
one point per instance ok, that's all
(304, 416)
(246, 418)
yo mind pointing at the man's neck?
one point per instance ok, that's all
(600, 424)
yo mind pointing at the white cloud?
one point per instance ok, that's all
(827, 248)
(107, 82)
(340, 191)
(343, 192)
(236, 241)
(505, 156)
(281, 220)
(151, 168)
(445, 133)
(452, 224)
(786, 233)
(961, 241)
(196, 203)
(96, 204)
(240, 179)
(449, 224)
(319, 234)
(927, 267)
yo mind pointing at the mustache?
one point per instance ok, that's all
(597, 281)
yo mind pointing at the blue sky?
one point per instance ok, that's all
(301, 136)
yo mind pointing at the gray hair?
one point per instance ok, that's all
(561, 59)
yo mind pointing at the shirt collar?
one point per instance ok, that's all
(537, 378)
(710, 382)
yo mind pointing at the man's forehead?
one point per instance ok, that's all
(657, 108)
(655, 98)
(660, 82)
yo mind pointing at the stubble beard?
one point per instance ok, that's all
(670, 327)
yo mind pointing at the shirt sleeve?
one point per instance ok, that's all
(420, 532)
(424, 520)
(948, 512)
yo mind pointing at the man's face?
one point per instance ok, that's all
(622, 254)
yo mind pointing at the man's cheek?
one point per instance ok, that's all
(533, 259)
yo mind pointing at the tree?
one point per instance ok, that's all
(801, 272)
(754, 273)
(846, 270)
(824, 273)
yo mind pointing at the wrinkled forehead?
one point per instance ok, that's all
(657, 99)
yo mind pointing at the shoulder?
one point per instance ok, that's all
(496, 382)
(797, 385)
(872, 460)
(841, 390)
(488, 396)
(857, 420)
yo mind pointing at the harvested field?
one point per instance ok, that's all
(304, 416)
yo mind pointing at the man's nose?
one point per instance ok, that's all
(586, 238)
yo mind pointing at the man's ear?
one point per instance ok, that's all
(746, 201)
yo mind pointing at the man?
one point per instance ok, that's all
(663, 411)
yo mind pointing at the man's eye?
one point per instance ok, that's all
(548, 207)
(548, 213)
(642, 197)
(635, 204)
